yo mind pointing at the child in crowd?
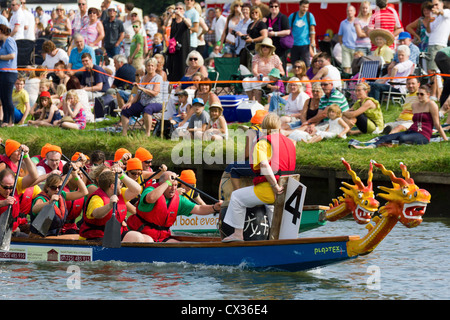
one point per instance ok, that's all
(157, 44)
(217, 128)
(49, 113)
(21, 101)
(181, 118)
(74, 115)
(199, 120)
(336, 128)
(36, 109)
(216, 52)
(276, 87)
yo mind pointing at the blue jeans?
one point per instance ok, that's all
(410, 137)
(7, 81)
(111, 52)
(377, 88)
(276, 101)
(238, 170)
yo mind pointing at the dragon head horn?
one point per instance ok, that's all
(405, 173)
(352, 173)
(390, 174)
(370, 175)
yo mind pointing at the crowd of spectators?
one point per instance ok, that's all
(98, 60)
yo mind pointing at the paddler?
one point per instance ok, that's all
(273, 155)
(99, 206)
(159, 207)
(51, 161)
(147, 158)
(189, 177)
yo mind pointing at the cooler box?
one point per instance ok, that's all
(230, 104)
(246, 110)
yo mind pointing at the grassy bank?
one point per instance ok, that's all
(434, 157)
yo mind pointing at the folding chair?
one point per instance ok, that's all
(226, 68)
(213, 75)
(38, 57)
(395, 97)
(25, 52)
(368, 69)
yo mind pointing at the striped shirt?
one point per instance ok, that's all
(336, 97)
(385, 19)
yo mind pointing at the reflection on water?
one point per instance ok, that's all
(412, 264)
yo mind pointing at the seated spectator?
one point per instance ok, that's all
(183, 110)
(161, 62)
(425, 117)
(400, 71)
(336, 128)
(20, 101)
(199, 120)
(382, 39)
(292, 105)
(94, 82)
(217, 128)
(61, 74)
(148, 101)
(311, 106)
(263, 62)
(204, 92)
(328, 70)
(365, 113)
(33, 82)
(49, 113)
(299, 70)
(195, 64)
(276, 86)
(331, 96)
(404, 120)
(315, 67)
(74, 115)
(404, 38)
(53, 54)
(75, 55)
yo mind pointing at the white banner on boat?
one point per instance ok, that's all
(196, 223)
(293, 207)
(46, 253)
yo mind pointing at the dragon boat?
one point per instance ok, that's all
(406, 203)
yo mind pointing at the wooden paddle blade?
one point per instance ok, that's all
(44, 219)
(112, 235)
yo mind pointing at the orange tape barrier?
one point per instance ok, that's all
(227, 81)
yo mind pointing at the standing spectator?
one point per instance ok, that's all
(43, 17)
(278, 27)
(241, 29)
(62, 28)
(30, 22)
(128, 27)
(265, 11)
(114, 33)
(228, 39)
(151, 28)
(94, 32)
(17, 21)
(8, 74)
(176, 61)
(304, 31)
(347, 39)
(385, 18)
(210, 37)
(192, 14)
(202, 29)
(81, 19)
(219, 24)
(437, 40)
(418, 28)
(361, 22)
(136, 58)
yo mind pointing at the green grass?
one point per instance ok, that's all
(434, 157)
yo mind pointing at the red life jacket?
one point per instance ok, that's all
(26, 199)
(74, 208)
(43, 164)
(283, 158)
(158, 221)
(15, 210)
(60, 215)
(4, 159)
(94, 228)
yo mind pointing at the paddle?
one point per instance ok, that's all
(82, 169)
(6, 219)
(44, 219)
(199, 191)
(112, 234)
(143, 183)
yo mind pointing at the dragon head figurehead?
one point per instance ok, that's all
(405, 200)
(359, 198)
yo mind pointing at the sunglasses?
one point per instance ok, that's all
(325, 84)
(148, 162)
(54, 188)
(8, 187)
(420, 94)
(264, 46)
(193, 59)
(81, 4)
(92, 12)
(273, 7)
(135, 173)
(135, 26)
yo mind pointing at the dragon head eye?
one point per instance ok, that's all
(405, 191)
(360, 195)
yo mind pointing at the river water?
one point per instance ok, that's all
(408, 264)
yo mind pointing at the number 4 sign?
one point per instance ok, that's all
(293, 207)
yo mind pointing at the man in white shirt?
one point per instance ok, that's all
(17, 21)
(192, 14)
(30, 23)
(328, 70)
(437, 38)
(218, 24)
(43, 17)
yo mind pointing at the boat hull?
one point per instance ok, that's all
(281, 255)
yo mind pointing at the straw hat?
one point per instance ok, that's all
(216, 105)
(389, 37)
(266, 42)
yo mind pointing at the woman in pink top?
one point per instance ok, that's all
(94, 33)
(263, 62)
